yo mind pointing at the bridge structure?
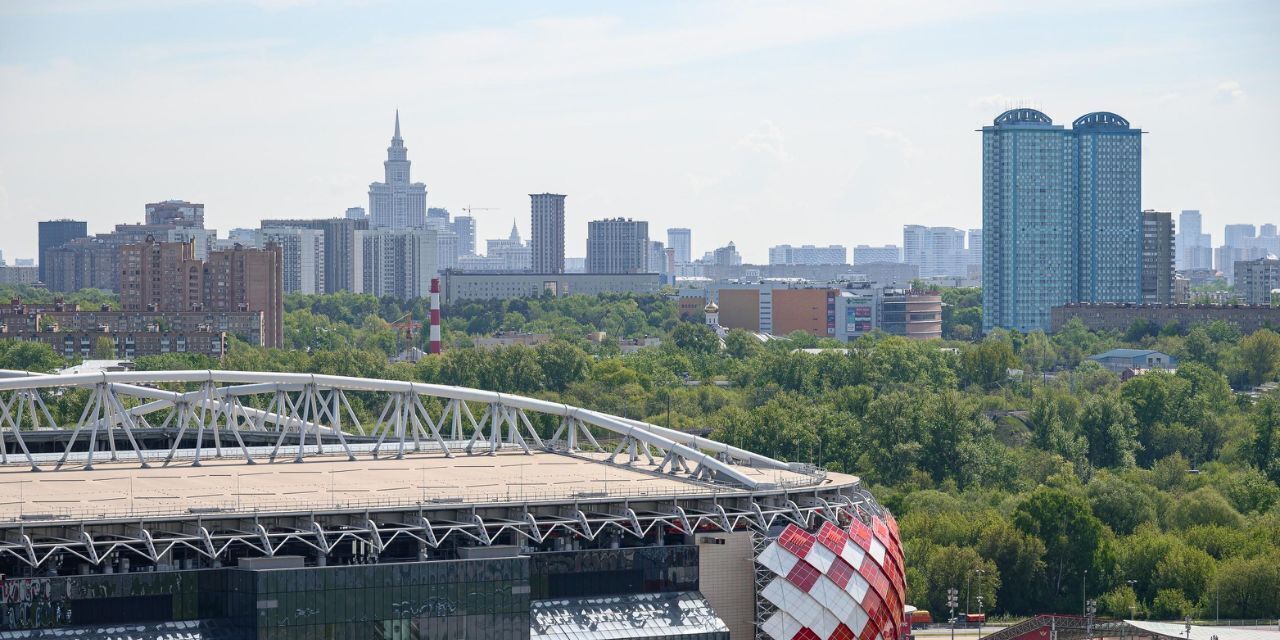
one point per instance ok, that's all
(189, 469)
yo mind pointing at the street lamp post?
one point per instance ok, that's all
(968, 591)
(1084, 587)
(981, 615)
(1091, 609)
(953, 600)
(1133, 608)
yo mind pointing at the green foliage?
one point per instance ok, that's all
(1260, 357)
(29, 356)
(1248, 587)
(988, 362)
(1121, 505)
(1170, 604)
(1120, 602)
(695, 338)
(1110, 431)
(1203, 506)
(1072, 537)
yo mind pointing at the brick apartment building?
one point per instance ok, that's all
(75, 332)
(167, 277)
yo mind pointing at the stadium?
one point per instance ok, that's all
(231, 504)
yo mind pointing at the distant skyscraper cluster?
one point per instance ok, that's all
(1063, 223)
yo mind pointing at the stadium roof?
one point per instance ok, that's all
(120, 488)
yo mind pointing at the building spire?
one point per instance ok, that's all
(515, 233)
(397, 135)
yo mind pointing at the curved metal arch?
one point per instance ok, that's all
(1100, 119)
(1023, 116)
(318, 409)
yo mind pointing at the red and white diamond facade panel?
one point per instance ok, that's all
(836, 583)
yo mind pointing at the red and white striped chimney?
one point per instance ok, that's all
(434, 344)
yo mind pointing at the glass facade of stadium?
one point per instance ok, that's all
(829, 582)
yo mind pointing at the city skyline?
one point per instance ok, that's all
(501, 106)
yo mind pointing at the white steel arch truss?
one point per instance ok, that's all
(304, 409)
(261, 418)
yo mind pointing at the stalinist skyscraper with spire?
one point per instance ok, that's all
(397, 203)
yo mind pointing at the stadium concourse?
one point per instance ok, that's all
(230, 504)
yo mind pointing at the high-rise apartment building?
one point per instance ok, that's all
(166, 276)
(302, 257)
(465, 227)
(1195, 248)
(160, 276)
(938, 251)
(93, 262)
(1061, 215)
(397, 263)
(680, 239)
(55, 233)
(1157, 257)
(397, 203)
(546, 240)
(1109, 154)
(865, 254)
(617, 245)
(656, 262)
(726, 256)
(1255, 279)
(1238, 235)
(974, 252)
(808, 254)
(245, 279)
(178, 213)
(439, 214)
(356, 213)
(447, 252)
(339, 246)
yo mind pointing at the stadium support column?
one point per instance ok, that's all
(434, 346)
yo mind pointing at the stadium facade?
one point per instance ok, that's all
(217, 504)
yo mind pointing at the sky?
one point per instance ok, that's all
(760, 123)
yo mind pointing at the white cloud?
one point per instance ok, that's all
(1230, 91)
(767, 139)
(894, 138)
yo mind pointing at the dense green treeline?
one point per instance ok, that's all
(1015, 455)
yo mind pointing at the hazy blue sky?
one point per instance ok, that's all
(757, 122)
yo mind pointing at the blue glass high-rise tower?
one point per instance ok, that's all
(1061, 216)
(1110, 178)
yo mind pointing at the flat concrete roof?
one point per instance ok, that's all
(118, 489)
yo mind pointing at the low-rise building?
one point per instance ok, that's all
(75, 332)
(1120, 361)
(841, 310)
(460, 285)
(509, 338)
(1118, 317)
